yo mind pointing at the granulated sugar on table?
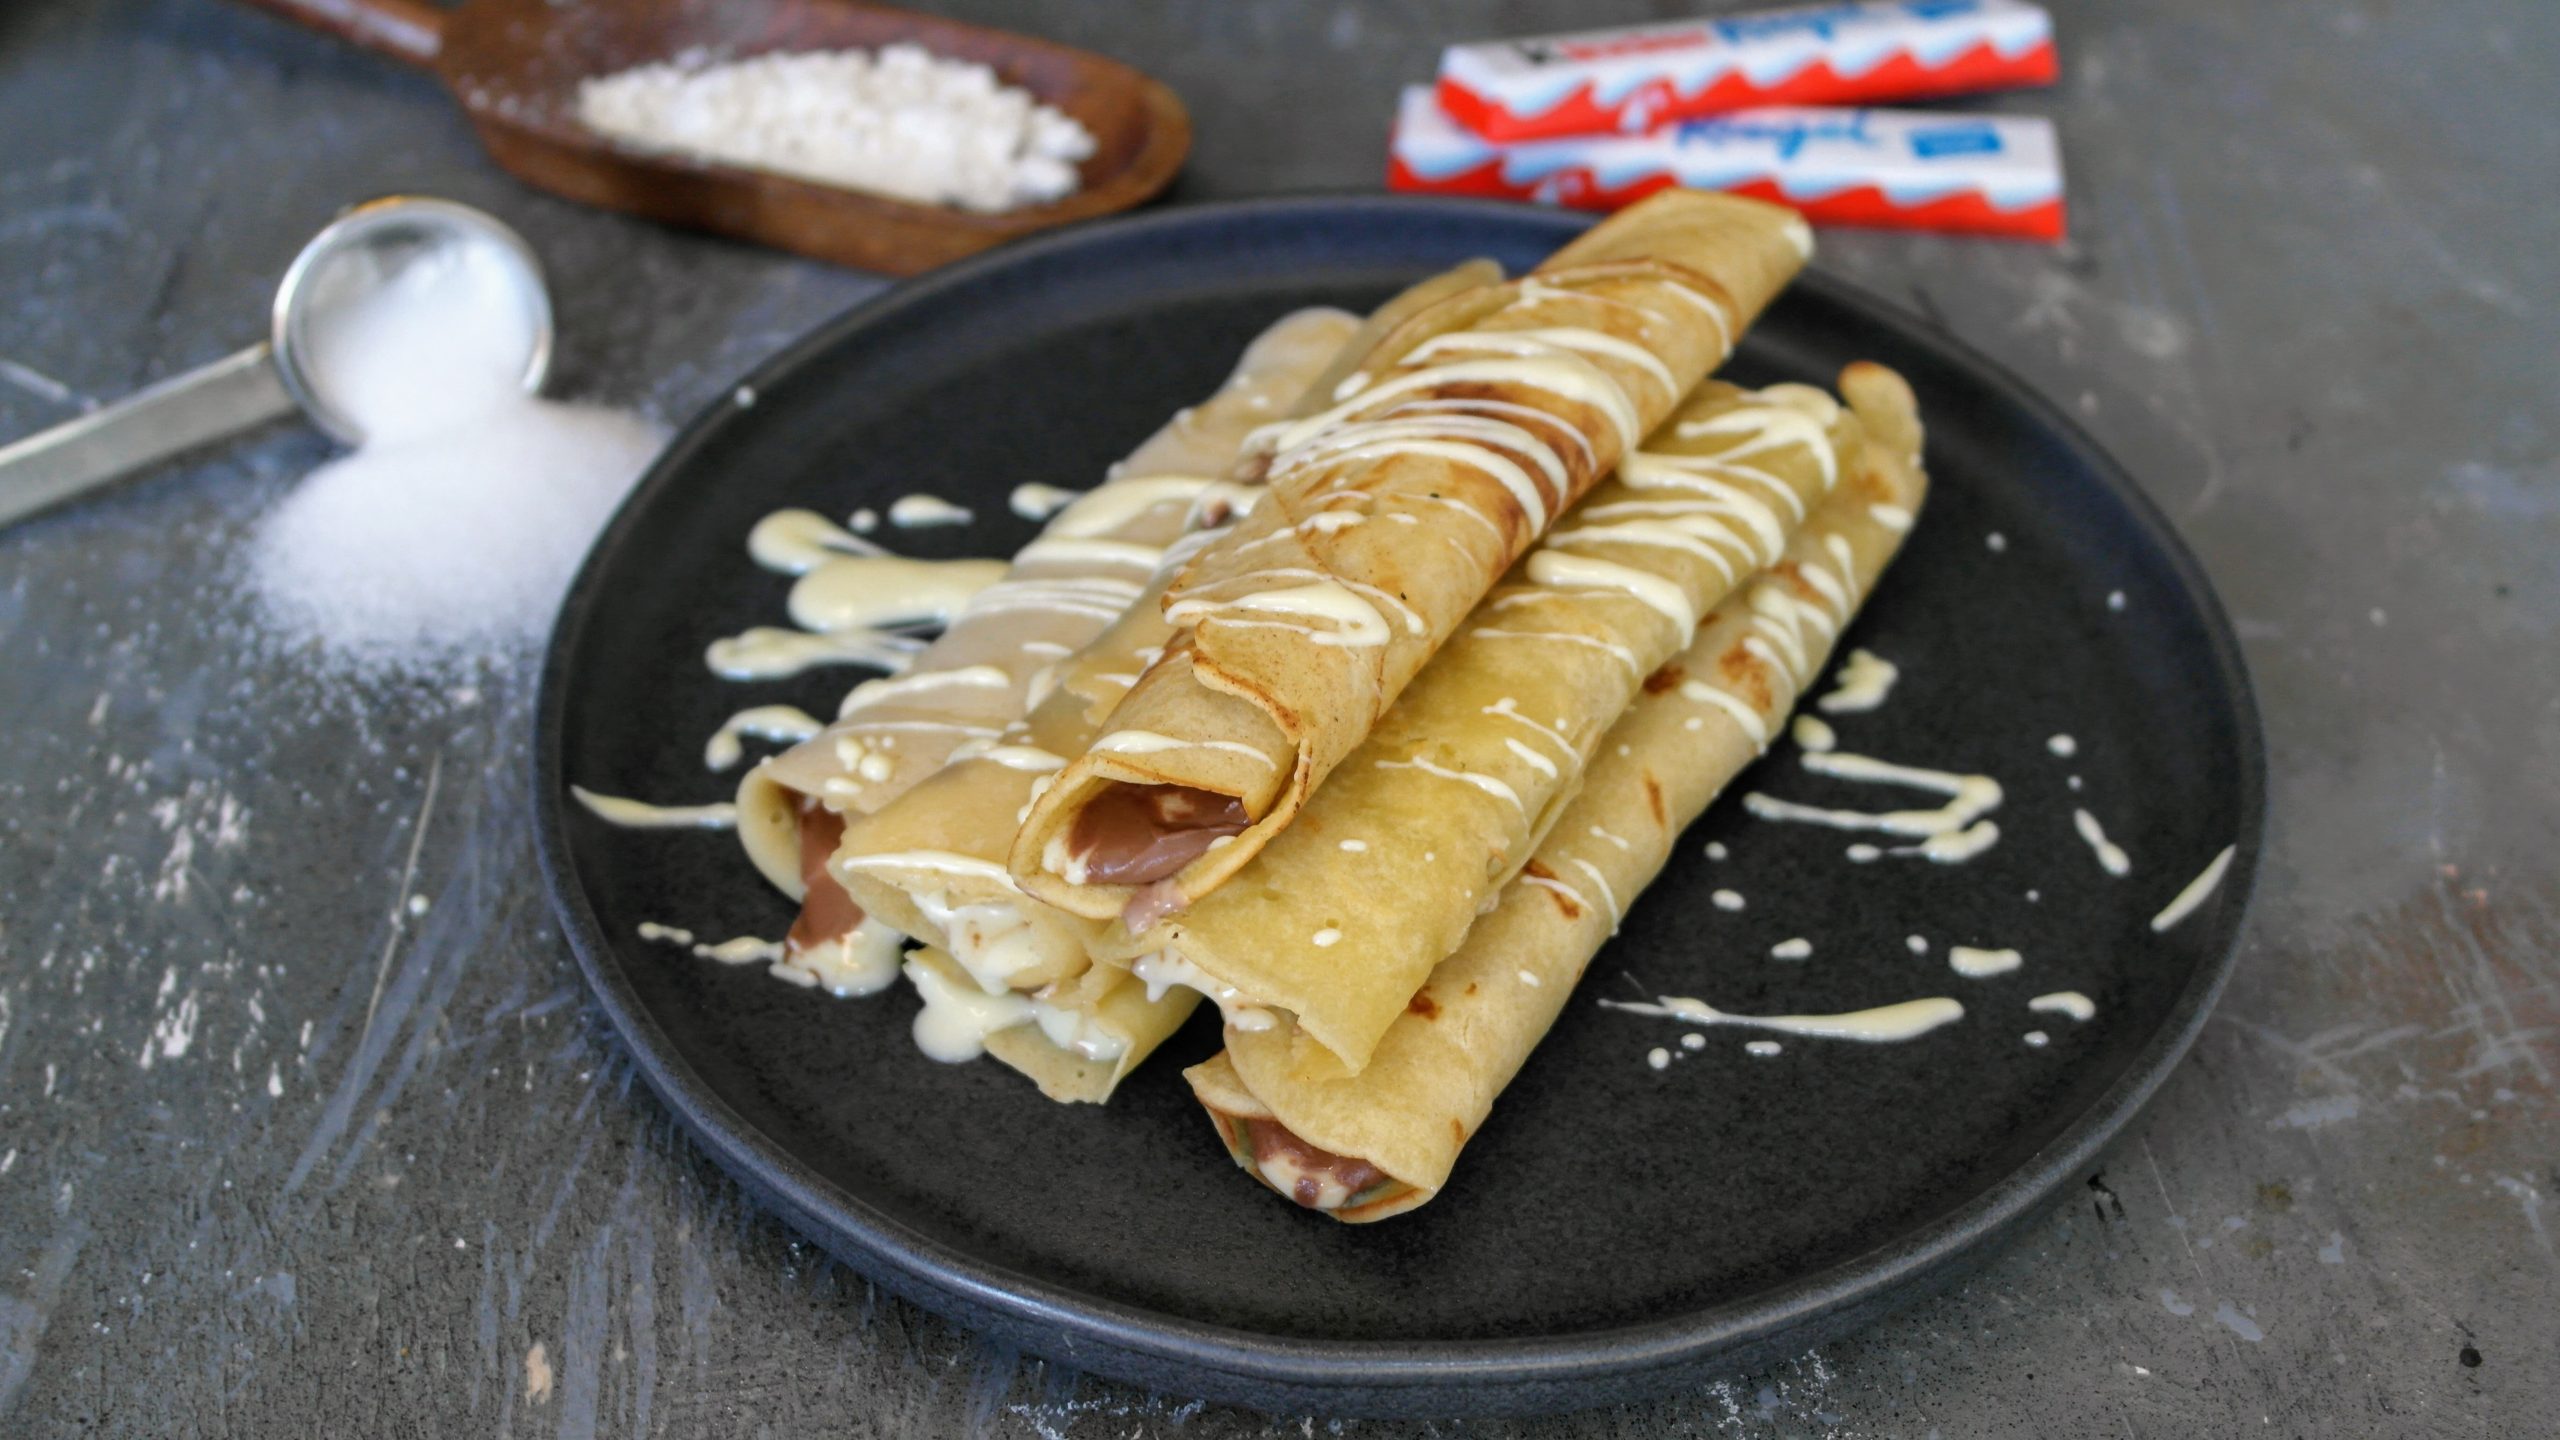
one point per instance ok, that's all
(452, 531)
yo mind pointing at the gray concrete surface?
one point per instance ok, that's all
(276, 1158)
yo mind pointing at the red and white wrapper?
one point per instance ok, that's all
(1907, 169)
(1632, 80)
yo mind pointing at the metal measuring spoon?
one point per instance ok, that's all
(272, 378)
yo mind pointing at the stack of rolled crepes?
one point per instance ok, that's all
(1461, 619)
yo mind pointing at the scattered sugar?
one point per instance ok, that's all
(454, 528)
(905, 123)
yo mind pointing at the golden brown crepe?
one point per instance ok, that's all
(1341, 918)
(934, 867)
(1366, 1146)
(1089, 563)
(1390, 515)
(1076, 1040)
(931, 864)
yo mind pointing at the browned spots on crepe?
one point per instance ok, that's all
(1872, 484)
(1698, 280)
(1563, 901)
(1664, 678)
(1653, 799)
(1423, 1005)
(1471, 987)
(1457, 1129)
(1744, 674)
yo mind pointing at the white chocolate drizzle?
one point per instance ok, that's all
(1485, 783)
(795, 542)
(1617, 912)
(1773, 426)
(1969, 797)
(786, 723)
(956, 1020)
(2205, 883)
(1035, 501)
(1549, 882)
(871, 591)
(1619, 653)
(992, 940)
(641, 815)
(2111, 856)
(1161, 970)
(882, 691)
(2065, 1002)
(770, 652)
(1979, 964)
(1864, 681)
(1148, 742)
(1509, 709)
(1551, 567)
(1884, 1024)
(1745, 717)
(1355, 621)
(1028, 758)
(1082, 550)
(918, 512)
(1562, 373)
(862, 961)
(937, 862)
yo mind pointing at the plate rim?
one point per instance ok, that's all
(1409, 1377)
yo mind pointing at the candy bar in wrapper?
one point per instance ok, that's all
(1908, 169)
(1632, 80)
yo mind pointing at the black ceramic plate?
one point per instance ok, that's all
(1615, 1229)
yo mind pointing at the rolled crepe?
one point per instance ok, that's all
(1341, 918)
(1089, 563)
(1366, 1146)
(1076, 1040)
(1390, 516)
(931, 864)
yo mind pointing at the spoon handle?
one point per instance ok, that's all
(170, 418)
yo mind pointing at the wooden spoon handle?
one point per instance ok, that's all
(408, 30)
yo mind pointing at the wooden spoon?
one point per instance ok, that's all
(515, 66)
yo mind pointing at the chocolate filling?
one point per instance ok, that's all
(1139, 834)
(1151, 903)
(827, 912)
(1269, 1138)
